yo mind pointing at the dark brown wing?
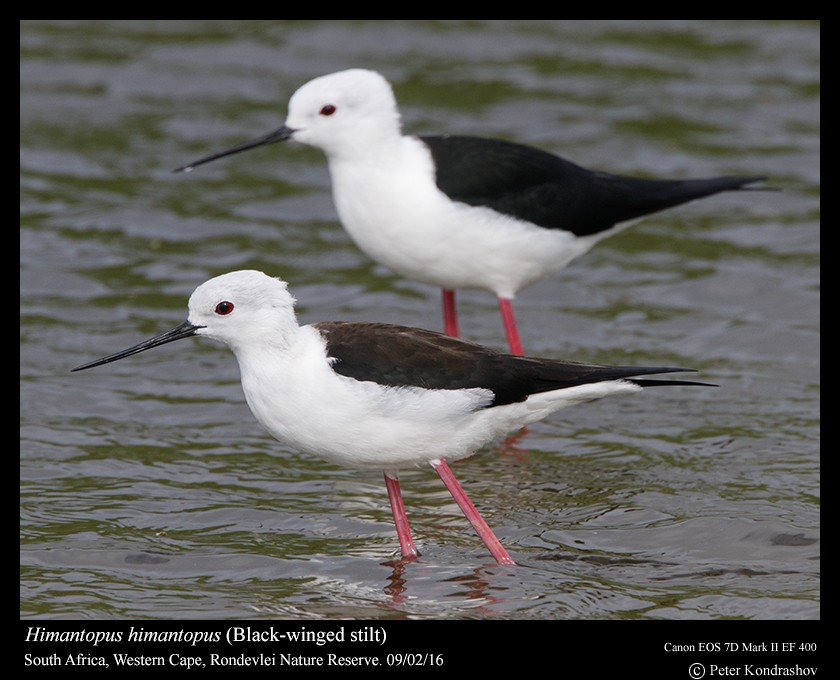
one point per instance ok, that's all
(400, 356)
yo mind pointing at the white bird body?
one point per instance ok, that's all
(411, 227)
(300, 400)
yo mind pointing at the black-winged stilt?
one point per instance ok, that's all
(462, 212)
(381, 396)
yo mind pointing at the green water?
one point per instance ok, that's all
(148, 490)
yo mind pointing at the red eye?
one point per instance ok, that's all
(327, 110)
(224, 308)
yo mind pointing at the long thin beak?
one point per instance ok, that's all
(279, 135)
(185, 330)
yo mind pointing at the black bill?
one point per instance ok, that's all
(185, 330)
(279, 135)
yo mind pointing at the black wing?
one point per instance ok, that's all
(400, 356)
(539, 187)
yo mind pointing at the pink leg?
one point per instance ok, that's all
(450, 314)
(512, 332)
(409, 552)
(485, 532)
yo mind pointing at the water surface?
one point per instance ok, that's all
(148, 490)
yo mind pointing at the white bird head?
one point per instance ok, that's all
(345, 109)
(242, 306)
(345, 114)
(240, 309)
